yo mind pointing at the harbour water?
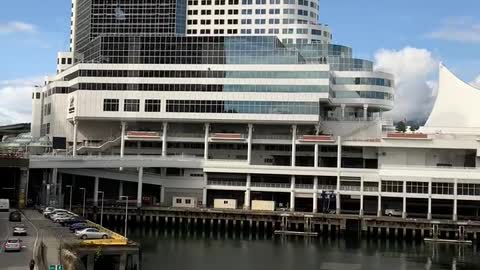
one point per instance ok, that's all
(176, 249)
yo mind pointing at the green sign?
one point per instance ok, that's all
(55, 267)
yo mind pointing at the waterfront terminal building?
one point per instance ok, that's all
(243, 100)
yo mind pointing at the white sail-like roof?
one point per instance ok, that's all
(457, 107)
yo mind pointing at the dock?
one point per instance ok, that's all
(301, 223)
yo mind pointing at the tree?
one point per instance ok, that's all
(414, 127)
(401, 127)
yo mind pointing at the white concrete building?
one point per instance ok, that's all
(249, 117)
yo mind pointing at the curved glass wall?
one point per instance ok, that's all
(364, 94)
(363, 81)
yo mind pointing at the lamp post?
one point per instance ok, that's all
(101, 211)
(70, 204)
(126, 213)
(84, 191)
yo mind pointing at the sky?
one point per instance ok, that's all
(408, 38)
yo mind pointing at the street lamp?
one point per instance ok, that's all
(84, 191)
(70, 204)
(126, 213)
(101, 211)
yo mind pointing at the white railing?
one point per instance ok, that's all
(327, 187)
(226, 183)
(370, 189)
(350, 188)
(304, 186)
(270, 185)
(429, 167)
(114, 157)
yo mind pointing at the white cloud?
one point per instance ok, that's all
(17, 26)
(15, 101)
(459, 29)
(414, 90)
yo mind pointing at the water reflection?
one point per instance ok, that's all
(176, 249)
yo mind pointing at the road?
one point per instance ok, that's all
(16, 260)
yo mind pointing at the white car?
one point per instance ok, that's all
(61, 214)
(13, 244)
(393, 212)
(47, 211)
(91, 233)
(19, 229)
(61, 218)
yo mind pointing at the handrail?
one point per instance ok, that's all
(272, 185)
(226, 183)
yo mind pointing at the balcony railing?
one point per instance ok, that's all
(272, 137)
(370, 189)
(304, 186)
(327, 187)
(226, 183)
(350, 188)
(270, 185)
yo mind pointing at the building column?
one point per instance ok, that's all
(429, 214)
(204, 195)
(122, 139)
(54, 181)
(315, 194)
(60, 184)
(207, 130)
(294, 148)
(379, 201)
(162, 195)
(455, 200)
(249, 144)
(140, 186)
(23, 192)
(339, 167)
(246, 204)
(164, 139)
(95, 191)
(343, 110)
(361, 197)
(404, 211)
(120, 190)
(292, 193)
(75, 131)
(365, 112)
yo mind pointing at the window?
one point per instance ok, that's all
(110, 105)
(37, 95)
(178, 200)
(392, 186)
(188, 201)
(417, 187)
(131, 105)
(153, 105)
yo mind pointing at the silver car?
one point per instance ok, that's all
(91, 233)
(13, 244)
(19, 229)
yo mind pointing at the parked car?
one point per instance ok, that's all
(47, 211)
(79, 226)
(393, 212)
(15, 216)
(13, 244)
(20, 229)
(60, 218)
(72, 220)
(61, 214)
(57, 212)
(91, 233)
